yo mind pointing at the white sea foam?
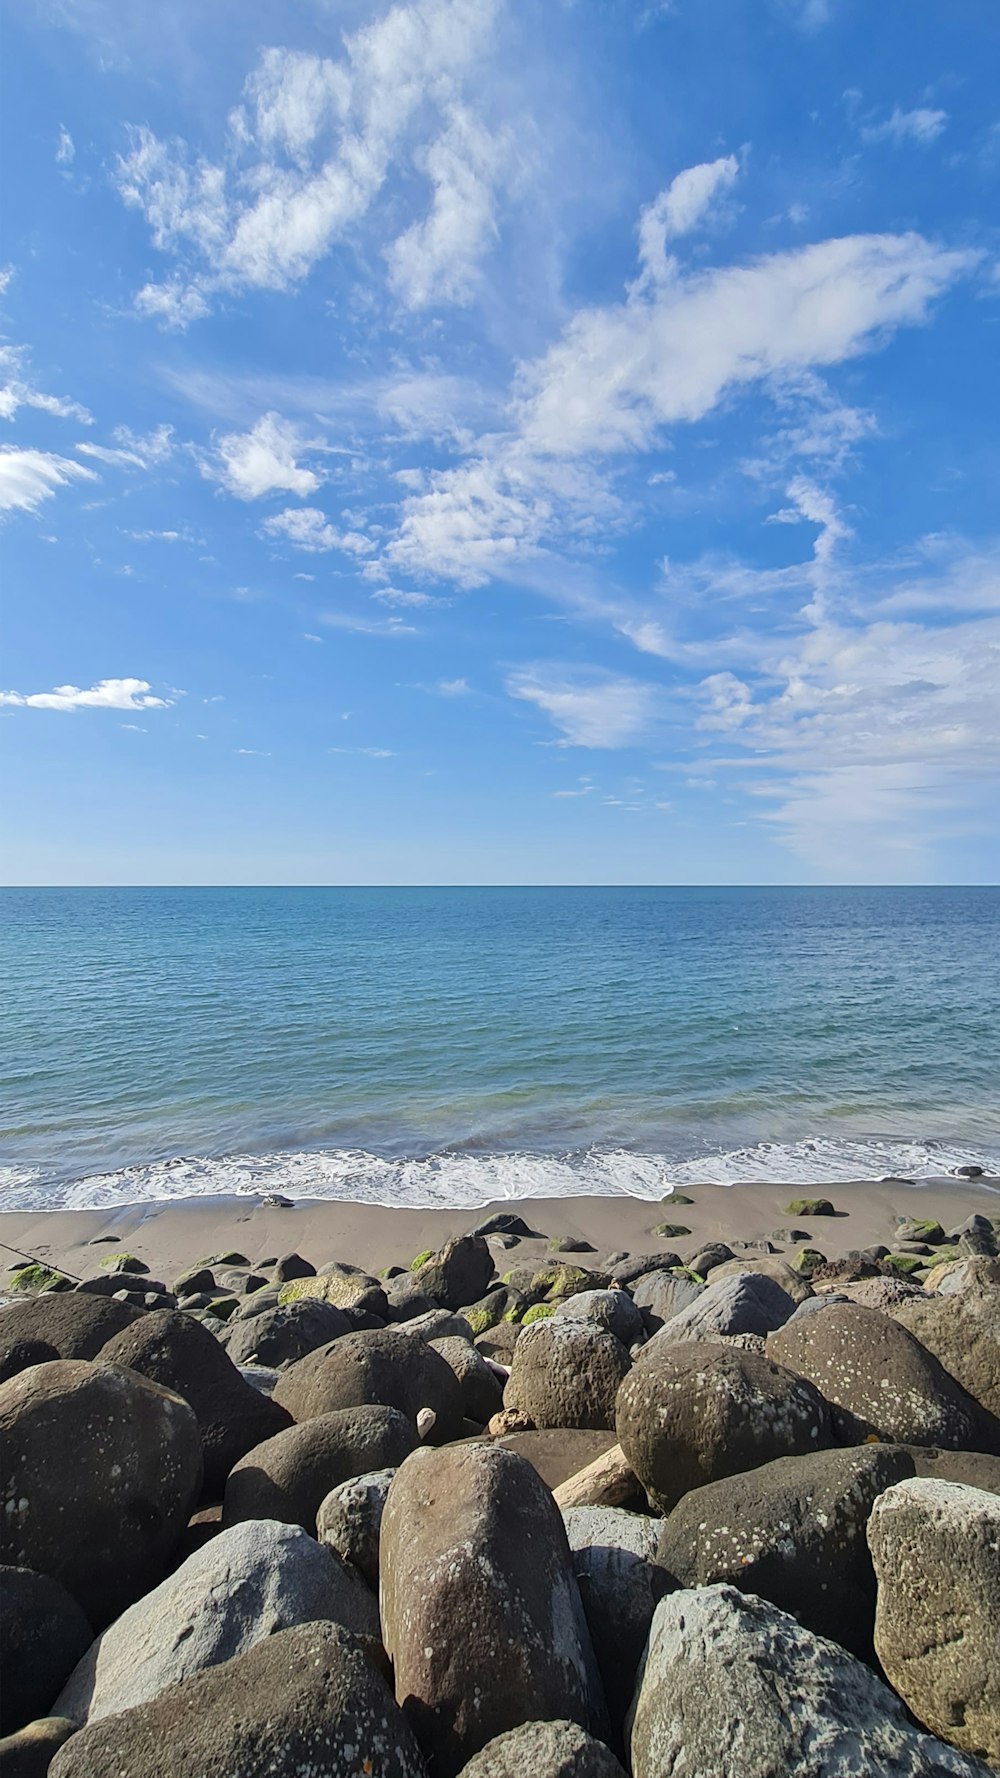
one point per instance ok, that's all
(465, 1180)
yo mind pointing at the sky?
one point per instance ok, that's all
(514, 441)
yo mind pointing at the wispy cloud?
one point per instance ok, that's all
(588, 709)
(107, 694)
(921, 125)
(133, 450)
(368, 752)
(65, 147)
(28, 477)
(17, 389)
(366, 626)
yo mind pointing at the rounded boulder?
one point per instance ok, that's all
(288, 1477)
(393, 1369)
(566, 1373)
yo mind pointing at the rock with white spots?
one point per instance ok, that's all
(566, 1373)
(544, 1750)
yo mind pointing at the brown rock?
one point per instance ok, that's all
(379, 1366)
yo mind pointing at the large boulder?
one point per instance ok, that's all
(481, 1614)
(621, 1585)
(43, 1633)
(386, 1366)
(288, 1476)
(241, 1586)
(29, 1752)
(544, 1750)
(936, 1548)
(305, 1701)
(746, 1303)
(732, 1685)
(963, 1332)
(566, 1373)
(459, 1274)
(765, 1265)
(286, 1332)
(177, 1352)
(613, 1310)
(880, 1379)
(482, 1390)
(62, 1326)
(99, 1472)
(977, 1469)
(349, 1521)
(347, 1287)
(690, 1414)
(794, 1532)
(661, 1295)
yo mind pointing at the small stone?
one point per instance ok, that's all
(810, 1207)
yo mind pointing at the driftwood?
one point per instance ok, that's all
(608, 1481)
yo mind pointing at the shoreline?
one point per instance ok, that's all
(171, 1235)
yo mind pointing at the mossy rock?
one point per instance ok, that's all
(122, 1262)
(807, 1261)
(906, 1263)
(946, 1256)
(686, 1272)
(223, 1307)
(677, 1198)
(555, 1282)
(480, 1321)
(421, 1259)
(789, 1234)
(25, 1279)
(537, 1312)
(810, 1207)
(912, 1228)
(569, 1244)
(671, 1231)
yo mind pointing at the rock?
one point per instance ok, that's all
(915, 1228)
(106, 1522)
(555, 1282)
(29, 1752)
(570, 1244)
(439, 1324)
(671, 1231)
(497, 1305)
(613, 1310)
(690, 1414)
(349, 1521)
(970, 1172)
(881, 1293)
(347, 1287)
(621, 1585)
(879, 1378)
(242, 1586)
(504, 1222)
(406, 1300)
(810, 1207)
(640, 1265)
(389, 1367)
(20, 1355)
(807, 1261)
(458, 1274)
(747, 1302)
(767, 1266)
(976, 1274)
(659, 1296)
(482, 1391)
(113, 1283)
(481, 1615)
(716, 1253)
(43, 1633)
(730, 1684)
(260, 1303)
(259, 1376)
(545, 1750)
(306, 1701)
(176, 1351)
(70, 1326)
(507, 1421)
(963, 1332)
(289, 1476)
(194, 1283)
(975, 1468)
(792, 1531)
(498, 1345)
(291, 1266)
(936, 1549)
(566, 1373)
(35, 1278)
(287, 1332)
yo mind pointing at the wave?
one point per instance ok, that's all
(462, 1180)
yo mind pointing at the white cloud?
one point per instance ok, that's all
(368, 752)
(133, 450)
(307, 154)
(107, 694)
(307, 528)
(437, 260)
(6, 274)
(29, 477)
(18, 391)
(920, 125)
(593, 710)
(65, 148)
(404, 600)
(686, 202)
(452, 688)
(263, 461)
(366, 626)
(470, 523)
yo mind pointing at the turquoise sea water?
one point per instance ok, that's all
(452, 1045)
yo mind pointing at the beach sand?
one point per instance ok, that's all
(172, 1236)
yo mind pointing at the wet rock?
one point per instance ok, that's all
(659, 1296)
(747, 1303)
(389, 1367)
(482, 1391)
(732, 1684)
(936, 1548)
(690, 1414)
(545, 1750)
(43, 1633)
(792, 1531)
(107, 1522)
(244, 1585)
(70, 1326)
(288, 1477)
(304, 1701)
(285, 1333)
(621, 1585)
(566, 1373)
(481, 1614)
(880, 1379)
(613, 1310)
(459, 1274)
(177, 1352)
(349, 1521)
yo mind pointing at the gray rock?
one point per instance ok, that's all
(975, 1274)
(545, 1750)
(61, 1326)
(963, 1332)
(481, 1614)
(113, 1283)
(43, 1633)
(241, 1587)
(566, 1373)
(100, 1470)
(289, 1476)
(716, 1253)
(792, 1531)
(936, 1548)
(284, 1333)
(259, 1376)
(690, 1414)
(347, 1287)
(439, 1324)
(459, 1274)
(730, 1684)
(29, 1752)
(880, 1379)
(304, 1703)
(613, 1310)
(660, 1296)
(747, 1303)
(976, 1469)
(349, 1521)
(634, 1266)
(504, 1222)
(389, 1366)
(194, 1282)
(289, 1266)
(877, 1293)
(620, 1585)
(826, 1300)
(482, 1391)
(764, 1265)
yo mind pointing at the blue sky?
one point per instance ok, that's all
(500, 441)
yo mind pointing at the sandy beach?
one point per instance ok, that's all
(172, 1236)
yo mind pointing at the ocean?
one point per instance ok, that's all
(449, 1046)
